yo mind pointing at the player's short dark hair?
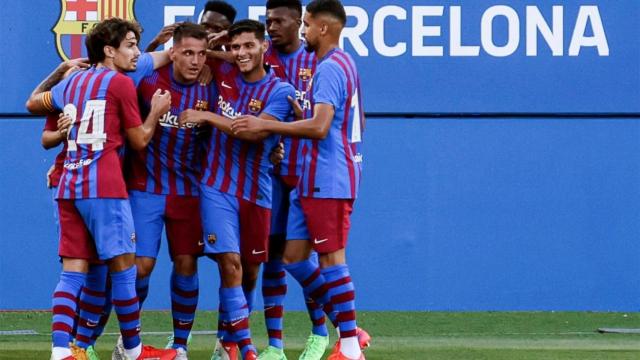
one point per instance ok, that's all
(221, 7)
(330, 7)
(189, 30)
(109, 32)
(290, 4)
(250, 26)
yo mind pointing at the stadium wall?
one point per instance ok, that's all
(498, 175)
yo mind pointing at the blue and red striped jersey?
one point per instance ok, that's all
(237, 167)
(103, 104)
(172, 162)
(333, 166)
(297, 69)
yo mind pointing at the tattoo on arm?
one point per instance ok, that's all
(50, 81)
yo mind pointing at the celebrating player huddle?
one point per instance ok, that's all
(206, 163)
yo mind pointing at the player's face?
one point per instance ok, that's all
(188, 56)
(248, 51)
(126, 55)
(214, 22)
(283, 25)
(311, 31)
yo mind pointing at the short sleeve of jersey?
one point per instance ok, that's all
(144, 68)
(51, 122)
(123, 90)
(57, 93)
(329, 85)
(278, 105)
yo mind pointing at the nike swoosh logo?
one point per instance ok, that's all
(316, 241)
(183, 323)
(258, 252)
(91, 323)
(237, 322)
(275, 66)
(200, 243)
(224, 85)
(269, 308)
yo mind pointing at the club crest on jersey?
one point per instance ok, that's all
(255, 106)
(77, 17)
(211, 239)
(305, 74)
(202, 105)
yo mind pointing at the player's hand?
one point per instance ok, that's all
(79, 63)
(71, 71)
(206, 75)
(164, 35)
(297, 109)
(277, 154)
(161, 101)
(218, 39)
(191, 116)
(64, 123)
(247, 124)
(49, 172)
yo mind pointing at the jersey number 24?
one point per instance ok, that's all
(93, 115)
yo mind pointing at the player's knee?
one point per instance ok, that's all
(230, 266)
(145, 266)
(296, 251)
(185, 265)
(250, 274)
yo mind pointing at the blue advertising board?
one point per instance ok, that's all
(453, 214)
(418, 57)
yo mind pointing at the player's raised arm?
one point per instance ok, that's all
(140, 136)
(40, 101)
(163, 36)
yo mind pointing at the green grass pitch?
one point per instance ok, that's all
(396, 335)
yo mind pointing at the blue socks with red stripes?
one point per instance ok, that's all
(342, 296)
(234, 303)
(91, 305)
(274, 290)
(184, 301)
(64, 302)
(125, 303)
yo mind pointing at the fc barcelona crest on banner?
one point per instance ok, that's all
(79, 16)
(255, 106)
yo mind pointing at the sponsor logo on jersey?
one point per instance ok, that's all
(133, 237)
(171, 121)
(255, 106)
(78, 164)
(302, 98)
(227, 109)
(77, 17)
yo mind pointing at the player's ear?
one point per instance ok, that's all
(172, 54)
(324, 29)
(109, 51)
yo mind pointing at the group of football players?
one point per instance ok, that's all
(245, 149)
